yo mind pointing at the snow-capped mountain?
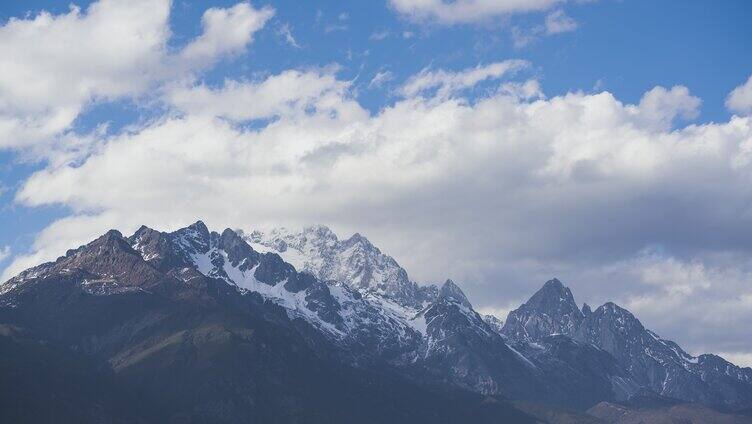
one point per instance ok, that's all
(125, 300)
(353, 261)
(196, 326)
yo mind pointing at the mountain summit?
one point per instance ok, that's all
(353, 261)
(551, 310)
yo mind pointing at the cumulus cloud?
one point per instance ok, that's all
(226, 32)
(466, 11)
(54, 66)
(660, 107)
(531, 169)
(740, 99)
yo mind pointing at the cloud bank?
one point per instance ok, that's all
(500, 187)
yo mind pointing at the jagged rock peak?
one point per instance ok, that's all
(230, 238)
(112, 238)
(199, 226)
(357, 238)
(586, 310)
(111, 234)
(551, 310)
(453, 293)
(553, 293)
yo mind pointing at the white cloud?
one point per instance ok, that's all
(660, 107)
(466, 11)
(447, 83)
(54, 66)
(226, 32)
(500, 170)
(740, 99)
(558, 22)
(527, 90)
(286, 94)
(4, 253)
(286, 33)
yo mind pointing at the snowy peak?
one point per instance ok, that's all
(363, 302)
(453, 293)
(355, 261)
(239, 253)
(196, 235)
(551, 310)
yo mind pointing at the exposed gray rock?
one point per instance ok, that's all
(551, 310)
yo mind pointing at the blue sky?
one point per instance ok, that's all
(625, 162)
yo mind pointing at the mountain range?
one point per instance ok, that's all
(196, 326)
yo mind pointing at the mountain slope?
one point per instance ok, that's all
(662, 365)
(207, 350)
(642, 359)
(455, 345)
(212, 329)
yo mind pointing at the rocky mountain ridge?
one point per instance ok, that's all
(649, 361)
(355, 309)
